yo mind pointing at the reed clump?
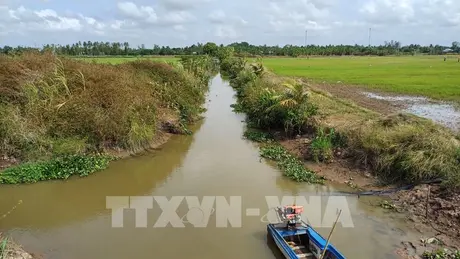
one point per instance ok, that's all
(52, 106)
(405, 148)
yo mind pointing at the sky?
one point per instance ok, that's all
(180, 23)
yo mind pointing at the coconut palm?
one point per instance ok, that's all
(293, 104)
(258, 69)
(294, 96)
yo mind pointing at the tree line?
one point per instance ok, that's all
(89, 48)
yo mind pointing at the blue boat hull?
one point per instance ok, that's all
(309, 243)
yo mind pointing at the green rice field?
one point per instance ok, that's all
(416, 75)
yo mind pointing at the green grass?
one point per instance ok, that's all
(419, 75)
(3, 244)
(120, 60)
(321, 146)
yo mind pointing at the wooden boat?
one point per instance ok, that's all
(297, 239)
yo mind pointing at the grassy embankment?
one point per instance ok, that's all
(120, 60)
(419, 75)
(398, 148)
(61, 117)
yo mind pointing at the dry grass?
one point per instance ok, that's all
(405, 148)
(51, 105)
(11, 250)
(398, 147)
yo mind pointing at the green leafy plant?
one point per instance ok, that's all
(258, 136)
(258, 69)
(292, 167)
(441, 254)
(54, 169)
(322, 145)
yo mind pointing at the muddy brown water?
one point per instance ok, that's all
(70, 220)
(446, 114)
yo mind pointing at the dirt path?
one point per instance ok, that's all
(355, 94)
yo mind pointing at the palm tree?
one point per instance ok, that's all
(258, 69)
(293, 103)
(294, 96)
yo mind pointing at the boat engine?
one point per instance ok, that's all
(290, 215)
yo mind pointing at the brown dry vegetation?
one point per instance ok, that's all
(11, 250)
(51, 106)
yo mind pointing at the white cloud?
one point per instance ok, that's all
(176, 17)
(442, 12)
(389, 11)
(297, 15)
(217, 16)
(226, 32)
(40, 20)
(439, 13)
(147, 14)
(242, 21)
(181, 5)
(179, 27)
(260, 21)
(144, 13)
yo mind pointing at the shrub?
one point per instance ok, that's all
(322, 145)
(258, 69)
(232, 66)
(405, 148)
(274, 107)
(245, 78)
(258, 136)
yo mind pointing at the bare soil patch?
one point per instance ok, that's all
(339, 170)
(354, 94)
(441, 229)
(432, 211)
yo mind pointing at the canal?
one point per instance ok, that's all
(71, 220)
